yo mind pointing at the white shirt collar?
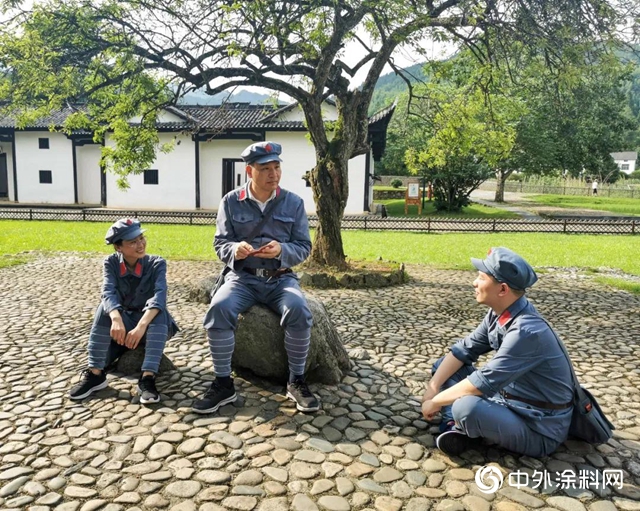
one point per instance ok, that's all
(261, 205)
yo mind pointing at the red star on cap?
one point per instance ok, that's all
(129, 221)
(268, 148)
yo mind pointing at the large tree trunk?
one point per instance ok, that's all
(330, 185)
(501, 178)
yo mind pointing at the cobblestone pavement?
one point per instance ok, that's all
(367, 449)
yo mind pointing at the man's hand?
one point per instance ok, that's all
(118, 331)
(133, 337)
(429, 409)
(243, 250)
(269, 251)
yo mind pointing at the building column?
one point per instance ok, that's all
(15, 167)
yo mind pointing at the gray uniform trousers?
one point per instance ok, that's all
(103, 350)
(238, 294)
(492, 419)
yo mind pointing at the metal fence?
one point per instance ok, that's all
(630, 192)
(353, 222)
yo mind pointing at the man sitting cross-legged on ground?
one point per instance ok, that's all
(260, 272)
(133, 310)
(521, 399)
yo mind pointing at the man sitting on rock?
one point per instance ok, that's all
(521, 399)
(133, 310)
(260, 272)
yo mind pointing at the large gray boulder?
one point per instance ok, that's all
(131, 362)
(260, 346)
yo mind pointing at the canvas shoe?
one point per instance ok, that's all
(148, 392)
(453, 442)
(218, 395)
(298, 391)
(89, 383)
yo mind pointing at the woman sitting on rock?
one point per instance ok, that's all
(133, 310)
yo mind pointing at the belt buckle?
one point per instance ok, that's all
(261, 272)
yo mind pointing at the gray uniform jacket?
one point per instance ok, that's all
(136, 291)
(238, 216)
(528, 363)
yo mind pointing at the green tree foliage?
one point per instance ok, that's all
(466, 131)
(522, 115)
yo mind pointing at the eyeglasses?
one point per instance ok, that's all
(138, 241)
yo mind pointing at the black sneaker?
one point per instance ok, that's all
(89, 384)
(218, 395)
(299, 392)
(453, 442)
(148, 392)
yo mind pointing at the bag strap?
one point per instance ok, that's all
(576, 384)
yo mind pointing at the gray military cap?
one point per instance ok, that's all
(506, 266)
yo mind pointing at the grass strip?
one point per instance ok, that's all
(395, 207)
(622, 284)
(449, 251)
(624, 206)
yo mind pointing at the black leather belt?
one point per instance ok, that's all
(263, 272)
(539, 404)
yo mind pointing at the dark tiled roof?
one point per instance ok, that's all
(206, 117)
(56, 118)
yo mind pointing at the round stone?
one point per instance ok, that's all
(183, 489)
(160, 450)
(334, 503)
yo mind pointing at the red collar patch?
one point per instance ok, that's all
(137, 271)
(243, 194)
(504, 318)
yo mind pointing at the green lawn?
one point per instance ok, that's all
(612, 204)
(389, 188)
(395, 207)
(438, 250)
(624, 285)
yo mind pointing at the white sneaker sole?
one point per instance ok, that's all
(103, 385)
(300, 407)
(148, 401)
(214, 409)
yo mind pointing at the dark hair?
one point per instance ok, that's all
(517, 292)
(117, 244)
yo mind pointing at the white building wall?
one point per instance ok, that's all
(329, 113)
(631, 163)
(299, 156)
(355, 203)
(211, 155)
(30, 160)
(88, 167)
(176, 189)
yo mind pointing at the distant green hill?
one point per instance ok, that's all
(390, 86)
(242, 96)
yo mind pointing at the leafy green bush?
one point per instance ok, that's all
(396, 183)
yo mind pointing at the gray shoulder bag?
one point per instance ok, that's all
(588, 422)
